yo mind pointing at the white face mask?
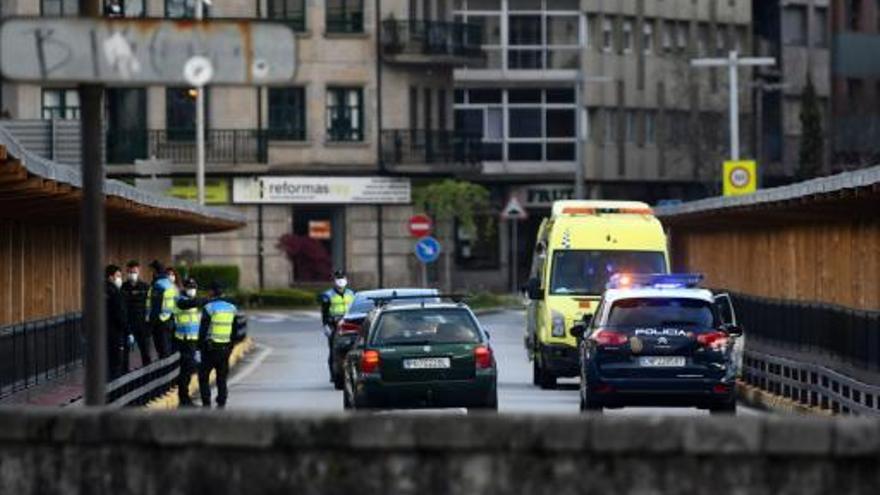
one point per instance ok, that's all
(191, 292)
(172, 278)
(117, 281)
(341, 283)
(133, 276)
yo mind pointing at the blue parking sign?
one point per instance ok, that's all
(427, 249)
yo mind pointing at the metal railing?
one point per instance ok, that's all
(344, 21)
(434, 38)
(418, 147)
(35, 352)
(817, 354)
(229, 146)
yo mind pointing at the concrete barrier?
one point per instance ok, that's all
(193, 452)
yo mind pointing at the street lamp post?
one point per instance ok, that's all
(200, 136)
(733, 62)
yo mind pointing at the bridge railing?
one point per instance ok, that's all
(820, 355)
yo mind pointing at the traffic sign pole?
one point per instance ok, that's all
(92, 232)
(514, 255)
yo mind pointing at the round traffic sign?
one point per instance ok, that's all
(740, 176)
(420, 225)
(427, 249)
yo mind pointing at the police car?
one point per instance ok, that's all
(659, 340)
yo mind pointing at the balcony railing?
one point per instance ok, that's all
(421, 147)
(431, 38)
(228, 146)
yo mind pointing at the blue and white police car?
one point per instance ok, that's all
(659, 340)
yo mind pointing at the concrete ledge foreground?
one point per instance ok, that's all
(141, 452)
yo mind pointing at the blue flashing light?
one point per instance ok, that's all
(654, 280)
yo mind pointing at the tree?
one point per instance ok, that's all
(812, 152)
(452, 202)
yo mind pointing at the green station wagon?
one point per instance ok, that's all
(426, 355)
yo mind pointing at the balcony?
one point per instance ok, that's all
(432, 42)
(222, 146)
(431, 152)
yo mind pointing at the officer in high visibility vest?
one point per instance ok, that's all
(162, 297)
(334, 304)
(215, 344)
(187, 320)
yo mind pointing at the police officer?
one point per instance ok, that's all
(187, 320)
(215, 344)
(163, 304)
(335, 302)
(135, 293)
(116, 320)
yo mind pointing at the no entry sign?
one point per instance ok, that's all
(420, 225)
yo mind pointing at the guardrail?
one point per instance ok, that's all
(820, 355)
(35, 352)
(432, 38)
(178, 145)
(425, 147)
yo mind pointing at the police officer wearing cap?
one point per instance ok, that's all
(163, 304)
(215, 344)
(187, 320)
(335, 302)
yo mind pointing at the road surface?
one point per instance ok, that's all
(288, 370)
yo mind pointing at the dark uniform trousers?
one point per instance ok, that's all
(188, 366)
(162, 331)
(214, 357)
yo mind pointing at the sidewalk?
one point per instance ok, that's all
(60, 391)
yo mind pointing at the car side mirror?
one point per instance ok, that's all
(533, 287)
(733, 330)
(578, 331)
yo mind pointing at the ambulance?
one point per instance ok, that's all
(577, 250)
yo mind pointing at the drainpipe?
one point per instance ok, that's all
(380, 243)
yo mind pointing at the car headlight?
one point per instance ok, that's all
(557, 329)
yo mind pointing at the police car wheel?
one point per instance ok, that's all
(536, 372)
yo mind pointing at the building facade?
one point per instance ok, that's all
(855, 84)
(323, 167)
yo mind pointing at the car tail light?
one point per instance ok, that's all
(604, 388)
(370, 361)
(483, 357)
(712, 339)
(609, 337)
(348, 327)
(720, 388)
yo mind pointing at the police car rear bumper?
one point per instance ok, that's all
(690, 392)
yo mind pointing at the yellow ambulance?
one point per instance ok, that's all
(578, 248)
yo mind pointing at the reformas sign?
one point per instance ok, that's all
(322, 190)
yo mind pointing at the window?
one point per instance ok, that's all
(124, 8)
(291, 12)
(853, 13)
(345, 16)
(794, 25)
(650, 128)
(721, 46)
(703, 39)
(630, 126)
(287, 113)
(820, 30)
(668, 35)
(180, 112)
(693, 314)
(647, 37)
(610, 126)
(345, 114)
(607, 35)
(177, 9)
(60, 104)
(425, 326)
(627, 40)
(682, 30)
(59, 7)
(582, 272)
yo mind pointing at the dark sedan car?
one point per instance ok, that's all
(421, 355)
(350, 326)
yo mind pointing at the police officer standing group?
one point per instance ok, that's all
(202, 328)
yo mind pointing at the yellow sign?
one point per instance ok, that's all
(216, 190)
(740, 177)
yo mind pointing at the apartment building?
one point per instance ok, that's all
(323, 167)
(605, 85)
(797, 34)
(855, 131)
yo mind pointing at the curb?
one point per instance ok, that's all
(761, 399)
(169, 399)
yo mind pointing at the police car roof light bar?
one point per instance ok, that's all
(654, 280)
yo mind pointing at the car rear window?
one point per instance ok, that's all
(365, 303)
(660, 312)
(426, 326)
(361, 305)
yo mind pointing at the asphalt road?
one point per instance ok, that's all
(288, 370)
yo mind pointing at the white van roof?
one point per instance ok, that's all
(593, 207)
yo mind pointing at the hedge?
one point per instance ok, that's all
(228, 275)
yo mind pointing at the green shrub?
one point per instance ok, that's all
(228, 275)
(487, 300)
(285, 298)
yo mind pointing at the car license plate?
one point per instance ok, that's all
(662, 361)
(426, 363)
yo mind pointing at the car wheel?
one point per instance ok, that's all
(547, 380)
(338, 381)
(536, 372)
